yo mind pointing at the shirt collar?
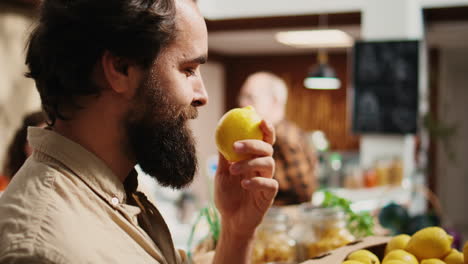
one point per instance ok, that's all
(84, 164)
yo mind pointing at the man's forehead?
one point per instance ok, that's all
(187, 11)
(257, 83)
(191, 28)
(251, 90)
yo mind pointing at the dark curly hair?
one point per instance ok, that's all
(72, 35)
(16, 155)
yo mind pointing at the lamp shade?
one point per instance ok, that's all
(322, 77)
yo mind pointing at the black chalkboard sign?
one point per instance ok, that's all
(386, 80)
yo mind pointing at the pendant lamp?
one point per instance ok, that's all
(322, 76)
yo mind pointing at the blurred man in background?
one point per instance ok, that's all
(294, 158)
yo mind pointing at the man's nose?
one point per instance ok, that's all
(201, 95)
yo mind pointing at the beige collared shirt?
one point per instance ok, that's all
(66, 206)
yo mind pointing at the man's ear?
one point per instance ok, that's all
(115, 71)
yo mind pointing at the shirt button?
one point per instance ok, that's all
(115, 201)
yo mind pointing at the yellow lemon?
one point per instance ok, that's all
(364, 256)
(394, 261)
(432, 261)
(237, 124)
(450, 238)
(363, 260)
(430, 242)
(399, 254)
(454, 257)
(397, 242)
(465, 252)
(351, 262)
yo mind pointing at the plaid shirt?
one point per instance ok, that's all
(295, 165)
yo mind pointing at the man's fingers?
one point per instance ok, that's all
(223, 164)
(253, 147)
(266, 187)
(268, 132)
(264, 165)
(257, 147)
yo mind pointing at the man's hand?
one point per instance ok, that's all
(243, 193)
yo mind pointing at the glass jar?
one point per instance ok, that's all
(272, 242)
(396, 172)
(321, 230)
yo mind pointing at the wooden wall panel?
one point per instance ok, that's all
(309, 109)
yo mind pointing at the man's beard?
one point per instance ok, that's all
(159, 137)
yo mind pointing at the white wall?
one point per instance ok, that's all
(18, 94)
(452, 177)
(379, 14)
(204, 126)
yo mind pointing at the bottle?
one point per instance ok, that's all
(370, 178)
(396, 172)
(382, 172)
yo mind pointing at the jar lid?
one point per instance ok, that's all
(275, 215)
(321, 214)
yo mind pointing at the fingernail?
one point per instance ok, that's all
(246, 182)
(238, 146)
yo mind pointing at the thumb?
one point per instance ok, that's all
(223, 164)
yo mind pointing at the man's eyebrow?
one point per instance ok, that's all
(199, 60)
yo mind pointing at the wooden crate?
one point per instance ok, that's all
(375, 244)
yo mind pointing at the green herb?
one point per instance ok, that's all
(359, 224)
(210, 214)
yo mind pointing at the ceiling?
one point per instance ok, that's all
(262, 41)
(248, 27)
(258, 42)
(228, 9)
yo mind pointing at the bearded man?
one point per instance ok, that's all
(119, 79)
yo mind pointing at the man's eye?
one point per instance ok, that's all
(189, 72)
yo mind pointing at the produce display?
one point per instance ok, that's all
(431, 245)
(332, 225)
(274, 243)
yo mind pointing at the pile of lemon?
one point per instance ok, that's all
(430, 245)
